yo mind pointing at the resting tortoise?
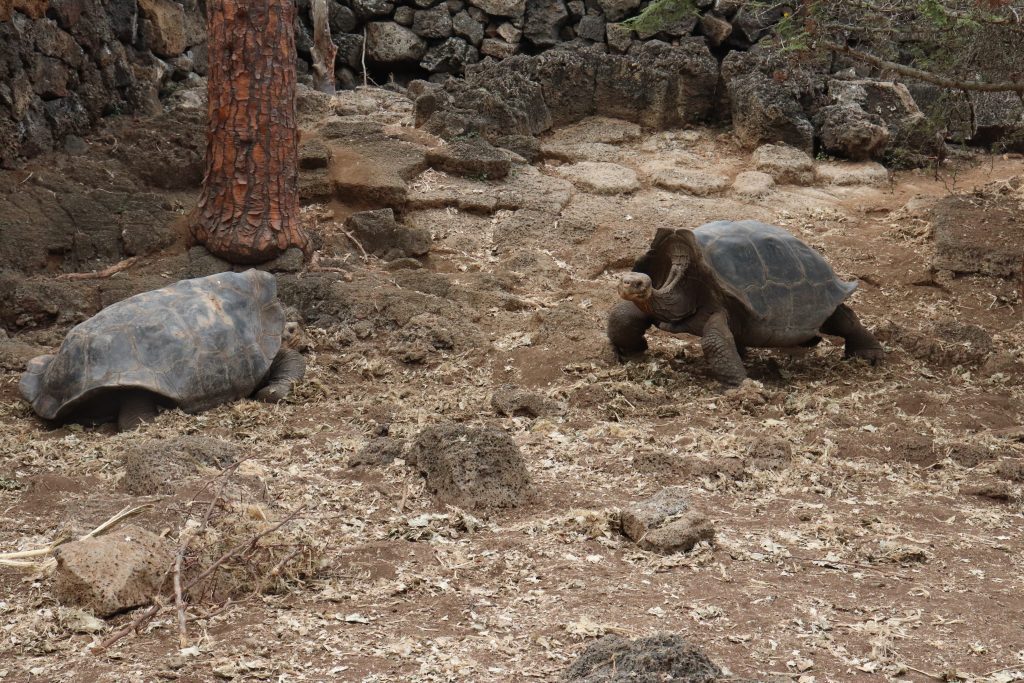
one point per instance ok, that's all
(736, 284)
(194, 344)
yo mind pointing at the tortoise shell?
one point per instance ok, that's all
(196, 343)
(781, 281)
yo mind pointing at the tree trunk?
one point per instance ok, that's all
(249, 208)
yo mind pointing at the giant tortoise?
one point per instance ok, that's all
(736, 284)
(192, 345)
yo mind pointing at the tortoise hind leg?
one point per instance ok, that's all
(135, 408)
(288, 368)
(860, 343)
(721, 351)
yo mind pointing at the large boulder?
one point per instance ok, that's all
(451, 56)
(501, 8)
(389, 43)
(913, 138)
(432, 23)
(112, 573)
(657, 84)
(784, 164)
(471, 467)
(846, 130)
(163, 26)
(544, 19)
(763, 112)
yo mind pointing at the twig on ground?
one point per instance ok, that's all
(12, 559)
(99, 274)
(179, 601)
(366, 257)
(158, 604)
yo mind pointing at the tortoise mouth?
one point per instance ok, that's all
(635, 287)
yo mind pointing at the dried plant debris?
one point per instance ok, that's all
(662, 657)
(444, 497)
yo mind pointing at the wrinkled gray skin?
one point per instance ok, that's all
(735, 284)
(192, 345)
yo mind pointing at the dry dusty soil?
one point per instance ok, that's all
(868, 519)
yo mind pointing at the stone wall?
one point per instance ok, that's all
(66, 63)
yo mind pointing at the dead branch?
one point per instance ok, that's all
(179, 602)
(926, 76)
(158, 604)
(98, 274)
(366, 257)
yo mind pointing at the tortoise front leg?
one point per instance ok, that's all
(721, 351)
(135, 409)
(860, 343)
(627, 325)
(288, 368)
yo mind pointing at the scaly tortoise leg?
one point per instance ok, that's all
(860, 343)
(136, 408)
(288, 368)
(627, 325)
(721, 351)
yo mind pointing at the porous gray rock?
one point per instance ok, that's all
(498, 49)
(452, 56)
(617, 10)
(526, 146)
(785, 164)
(389, 43)
(369, 9)
(764, 112)
(751, 22)
(381, 235)
(715, 29)
(469, 28)
(665, 524)
(700, 183)
(544, 19)
(163, 26)
(658, 85)
(379, 452)
(753, 184)
(502, 8)
(112, 573)
(661, 657)
(869, 173)
(981, 237)
(155, 466)
(846, 130)
(432, 23)
(511, 400)
(913, 140)
(471, 467)
(313, 154)
(471, 158)
(341, 18)
(591, 27)
(619, 37)
(404, 15)
(600, 177)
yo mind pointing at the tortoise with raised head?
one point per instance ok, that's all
(736, 284)
(192, 345)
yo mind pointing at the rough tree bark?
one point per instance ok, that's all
(249, 208)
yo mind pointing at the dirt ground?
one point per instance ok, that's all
(868, 519)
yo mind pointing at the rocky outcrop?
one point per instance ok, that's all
(657, 85)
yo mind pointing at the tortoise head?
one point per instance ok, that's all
(294, 337)
(636, 287)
